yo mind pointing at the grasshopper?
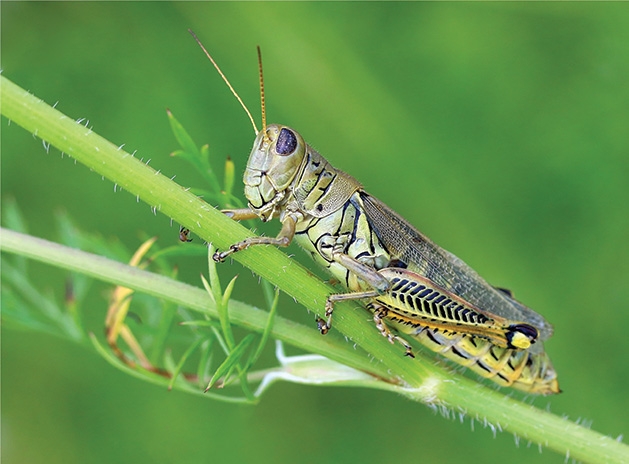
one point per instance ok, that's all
(412, 286)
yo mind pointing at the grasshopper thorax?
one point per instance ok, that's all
(275, 159)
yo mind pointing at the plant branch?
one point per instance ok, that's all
(424, 381)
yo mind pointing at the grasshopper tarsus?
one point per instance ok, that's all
(184, 234)
(379, 315)
(219, 257)
(323, 325)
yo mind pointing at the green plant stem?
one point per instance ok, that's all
(425, 382)
(179, 293)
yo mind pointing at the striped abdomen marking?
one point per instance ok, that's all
(414, 301)
(522, 369)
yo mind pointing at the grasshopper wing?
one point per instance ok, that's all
(421, 255)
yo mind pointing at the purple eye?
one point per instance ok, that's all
(286, 142)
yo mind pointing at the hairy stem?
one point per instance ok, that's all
(424, 381)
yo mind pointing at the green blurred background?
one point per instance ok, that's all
(500, 130)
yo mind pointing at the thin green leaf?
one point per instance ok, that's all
(205, 152)
(182, 361)
(244, 385)
(228, 293)
(16, 314)
(205, 360)
(230, 176)
(163, 329)
(157, 379)
(269, 293)
(208, 288)
(199, 159)
(178, 153)
(169, 362)
(192, 158)
(267, 331)
(220, 339)
(223, 314)
(13, 219)
(231, 361)
(182, 136)
(31, 297)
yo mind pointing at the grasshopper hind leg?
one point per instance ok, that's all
(324, 325)
(379, 315)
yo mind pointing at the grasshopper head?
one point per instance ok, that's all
(273, 163)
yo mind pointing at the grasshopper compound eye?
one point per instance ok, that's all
(286, 142)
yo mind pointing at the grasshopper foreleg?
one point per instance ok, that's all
(240, 214)
(283, 239)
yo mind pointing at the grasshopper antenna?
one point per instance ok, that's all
(253, 123)
(262, 102)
